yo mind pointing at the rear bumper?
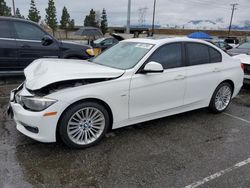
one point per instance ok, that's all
(247, 79)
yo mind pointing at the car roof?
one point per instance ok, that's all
(16, 19)
(166, 40)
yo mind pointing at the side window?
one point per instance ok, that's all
(108, 42)
(28, 31)
(215, 56)
(4, 29)
(197, 54)
(230, 41)
(170, 56)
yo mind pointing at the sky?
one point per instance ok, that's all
(168, 12)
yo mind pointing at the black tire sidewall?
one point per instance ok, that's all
(63, 123)
(212, 102)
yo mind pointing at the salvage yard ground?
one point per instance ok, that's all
(191, 149)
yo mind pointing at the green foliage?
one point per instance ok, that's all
(104, 22)
(4, 9)
(51, 19)
(33, 12)
(72, 24)
(18, 14)
(90, 20)
(65, 19)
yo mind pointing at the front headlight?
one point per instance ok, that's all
(90, 52)
(37, 104)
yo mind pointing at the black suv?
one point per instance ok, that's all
(22, 41)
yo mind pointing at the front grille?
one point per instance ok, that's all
(247, 69)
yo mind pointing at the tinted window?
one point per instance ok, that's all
(4, 30)
(197, 54)
(108, 42)
(230, 41)
(28, 31)
(169, 56)
(215, 56)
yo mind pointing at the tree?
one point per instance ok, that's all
(104, 22)
(72, 24)
(18, 14)
(65, 19)
(33, 12)
(90, 20)
(51, 20)
(4, 9)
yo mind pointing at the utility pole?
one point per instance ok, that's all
(153, 23)
(14, 8)
(128, 18)
(233, 9)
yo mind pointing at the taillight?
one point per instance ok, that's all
(242, 66)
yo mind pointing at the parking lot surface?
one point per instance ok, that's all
(191, 149)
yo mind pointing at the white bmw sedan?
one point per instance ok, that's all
(135, 81)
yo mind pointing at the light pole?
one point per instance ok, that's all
(233, 9)
(128, 17)
(153, 23)
(14, 8)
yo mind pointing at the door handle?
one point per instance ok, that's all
(216, 70)
(180, 77)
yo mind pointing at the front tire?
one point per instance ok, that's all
(84, 125)
(221, 98)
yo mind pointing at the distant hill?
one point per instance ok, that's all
(244, 26)
(218, 24)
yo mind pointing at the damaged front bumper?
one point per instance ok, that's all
(33, 124)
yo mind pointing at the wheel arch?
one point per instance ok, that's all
(229, 82)
(99, 101)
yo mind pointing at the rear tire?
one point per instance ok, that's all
(84, 125)
(221, 98)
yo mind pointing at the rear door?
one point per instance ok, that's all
(30, 48)
(8, 52)
(203, 72)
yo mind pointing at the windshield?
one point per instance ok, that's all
(124, 55)
(245, 45)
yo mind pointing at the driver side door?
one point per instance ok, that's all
(157, 92)
(30, 48)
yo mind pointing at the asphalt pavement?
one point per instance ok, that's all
(194, 149)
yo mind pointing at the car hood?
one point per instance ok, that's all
(43, 72)
(244, 58)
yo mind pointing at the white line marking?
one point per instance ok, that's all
(218, 174)
(236, 117)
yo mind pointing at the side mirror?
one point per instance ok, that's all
(47, 40)
(152, 67)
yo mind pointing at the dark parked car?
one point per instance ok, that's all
(241, 49)
(23, 41)
(222, 45)
(232, 41)
(106, 42)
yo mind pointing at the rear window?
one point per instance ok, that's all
(215, 56)
(197, 54)
(4, 29)
(230, 41)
